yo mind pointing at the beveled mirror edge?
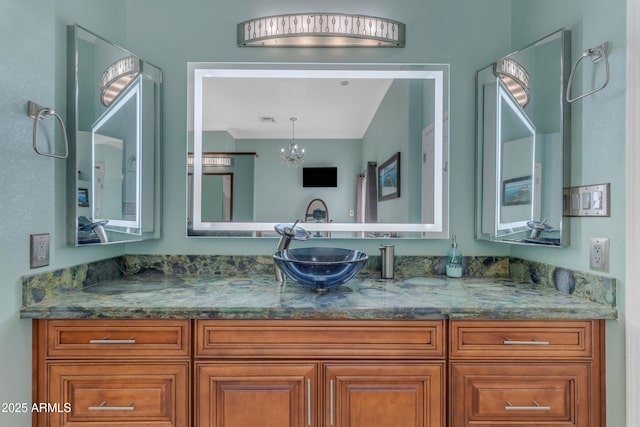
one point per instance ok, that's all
(565, 109)
(72, 129)
(440, 230)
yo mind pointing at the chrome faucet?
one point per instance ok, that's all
(288, 232)
(537, 228)
(92, 230)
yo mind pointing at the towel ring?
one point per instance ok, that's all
(38, 113)
(597, 54)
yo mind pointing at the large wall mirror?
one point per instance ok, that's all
(371, 144)
(523, 140)
(114, 115)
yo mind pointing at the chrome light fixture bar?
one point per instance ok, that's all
(209, 160)
(117, 77)
(294, 155)
(515, 78)
(321, 30)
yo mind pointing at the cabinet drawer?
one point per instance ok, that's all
(522, 339)
(320, 338)
(117, 338)
(101, 394)
(520, 395)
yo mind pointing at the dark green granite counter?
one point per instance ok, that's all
(155, 295)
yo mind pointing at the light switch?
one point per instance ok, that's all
(597, 200)
(589, 200)
(586, 200)
(575, 201)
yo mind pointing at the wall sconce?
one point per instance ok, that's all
(321, 30)
(515, 78)
(117, 77)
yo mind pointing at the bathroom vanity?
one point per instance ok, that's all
(321, 372)
(169, 351)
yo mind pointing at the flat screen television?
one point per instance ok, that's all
(320, 176)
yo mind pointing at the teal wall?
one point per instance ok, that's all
(26, 72)
(170, 34)
(598, 150)
(32, 40)
(278, 192)
(468, 35)
(387, 134)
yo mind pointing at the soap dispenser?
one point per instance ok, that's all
(454, 260)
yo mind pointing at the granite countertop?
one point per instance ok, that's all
(261, 297)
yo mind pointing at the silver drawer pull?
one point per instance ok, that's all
(536, 407)
(103, 407)
(508, 341)
(331, 421)
(106, 340)
(308, 401)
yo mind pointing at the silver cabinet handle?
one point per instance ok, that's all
(536, 407)
(508, 341)
(105, 340)
(331, 402)
(308, 401)
(103, 407)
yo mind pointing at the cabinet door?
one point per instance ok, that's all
(256, 394)
(521, 395)
(383, 394)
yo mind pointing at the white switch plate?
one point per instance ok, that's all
(39, 250)
(587, 200)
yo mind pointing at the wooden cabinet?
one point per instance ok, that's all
(128, 339)
(319, 373)
(112, 372)
(526, 373)
(353, 339)
(382, 394)
(250, 394)
(523, 394)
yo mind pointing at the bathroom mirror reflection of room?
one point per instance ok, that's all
(115, 134)
(523, 145)
(346, 117)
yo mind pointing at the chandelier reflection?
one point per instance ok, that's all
(294, 154)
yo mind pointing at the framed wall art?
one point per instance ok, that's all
(389, 178)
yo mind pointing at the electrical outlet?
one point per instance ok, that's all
(599, 254)
(39, 250)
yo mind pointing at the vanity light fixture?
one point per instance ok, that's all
(117, 77)
(293, 155)
(211, 160)
(321, 30)
(515, 78)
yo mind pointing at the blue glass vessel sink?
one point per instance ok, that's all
(320, 268)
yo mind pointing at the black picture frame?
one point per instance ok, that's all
(389, 178)
(83, 197)
(517, 191)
